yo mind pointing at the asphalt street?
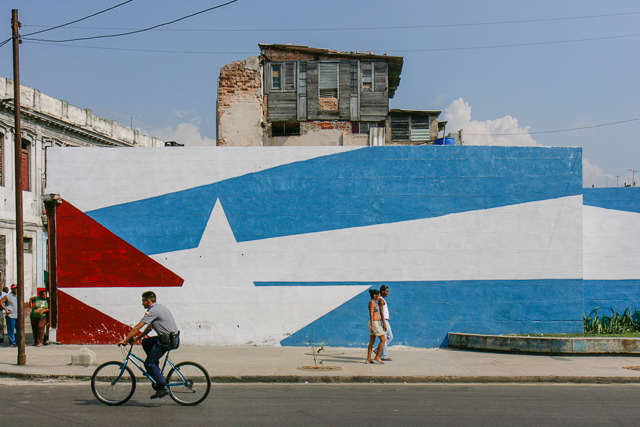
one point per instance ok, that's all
(72, 403)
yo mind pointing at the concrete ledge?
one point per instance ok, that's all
(544, 345)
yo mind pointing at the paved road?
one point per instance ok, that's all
(55, 404)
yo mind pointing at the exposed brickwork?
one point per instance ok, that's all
(237, 84)
(306, 127)
(328, 104)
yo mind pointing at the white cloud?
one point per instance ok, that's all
(440, 98)
(184, 133)
(490, 132)
(591, 171)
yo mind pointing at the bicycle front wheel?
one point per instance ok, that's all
(111, 385)
(188, 383)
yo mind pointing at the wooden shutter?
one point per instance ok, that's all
(25, 170)
(380, 76)
(288, 76)
(400, 128)
(328, 79)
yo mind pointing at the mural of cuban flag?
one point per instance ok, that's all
(263, 245)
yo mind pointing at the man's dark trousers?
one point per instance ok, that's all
(155, 351)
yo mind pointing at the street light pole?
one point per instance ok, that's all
(633, 177)
(17, 139)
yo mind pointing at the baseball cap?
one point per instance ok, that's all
(14, 286)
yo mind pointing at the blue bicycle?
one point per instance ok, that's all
(113, 383)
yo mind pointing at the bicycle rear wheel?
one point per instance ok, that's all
(110, 385)
(188, 383)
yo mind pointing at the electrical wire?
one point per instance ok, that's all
(443, 49)
(399, 27)
(555, 131)
(6, 41)
(136, 31)
(78, 20)
(436, 49)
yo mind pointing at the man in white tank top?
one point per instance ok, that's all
(384, 310)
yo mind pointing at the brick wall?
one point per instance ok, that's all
(240, 83)
(306, 127)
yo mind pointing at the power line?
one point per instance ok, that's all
(436, 49)
(136, 31)
(443, 49)
(78, 20)
(555, 131)
(398, 27)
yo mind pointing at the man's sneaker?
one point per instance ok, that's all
(160, 393)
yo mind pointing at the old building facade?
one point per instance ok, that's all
(297, 95)
(45, 122)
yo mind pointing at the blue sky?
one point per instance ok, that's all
(492, 67)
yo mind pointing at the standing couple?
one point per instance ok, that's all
(379, 325)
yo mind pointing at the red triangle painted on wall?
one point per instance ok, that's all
(78, 323)
(90, 256)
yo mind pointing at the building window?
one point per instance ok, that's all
(380, 76)
(275, 76)
(354, 77)
(27, 245)
(283, 76)
(362, 128)
(414, 128)
(303, 78)
(285, 128)
(328, 79)
(367, 76)
(25, 165)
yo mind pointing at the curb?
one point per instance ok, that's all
(364, 379)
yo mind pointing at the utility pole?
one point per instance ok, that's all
(17, 139)
(633, 177)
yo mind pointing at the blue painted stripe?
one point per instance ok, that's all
(423, 312)
(370, 186)
(622, 199)
(611, 294)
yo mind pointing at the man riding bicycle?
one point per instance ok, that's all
(160, 319)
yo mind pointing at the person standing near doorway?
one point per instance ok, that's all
(9, 303)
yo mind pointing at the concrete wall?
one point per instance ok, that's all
(259, 246)
(38, 102)
(611, 249)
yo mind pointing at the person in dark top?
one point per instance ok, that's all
(160, 319)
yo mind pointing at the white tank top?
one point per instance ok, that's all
(385, 309)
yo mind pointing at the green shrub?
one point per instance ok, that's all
(614, 324)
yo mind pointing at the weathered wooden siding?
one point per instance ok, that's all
(344, 89)
(313, 113)
(281, 106)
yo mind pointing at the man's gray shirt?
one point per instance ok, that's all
(160, 319)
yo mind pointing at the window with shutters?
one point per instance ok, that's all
(328, 79)
(414, 128)
(379, 76)
(25, 165)
(285, 128)
(367, 76)
(362, 128)
(354, 77)
(303, 78)
(400, 128)
(283, 76)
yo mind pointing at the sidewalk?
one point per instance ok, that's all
(279, 364)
